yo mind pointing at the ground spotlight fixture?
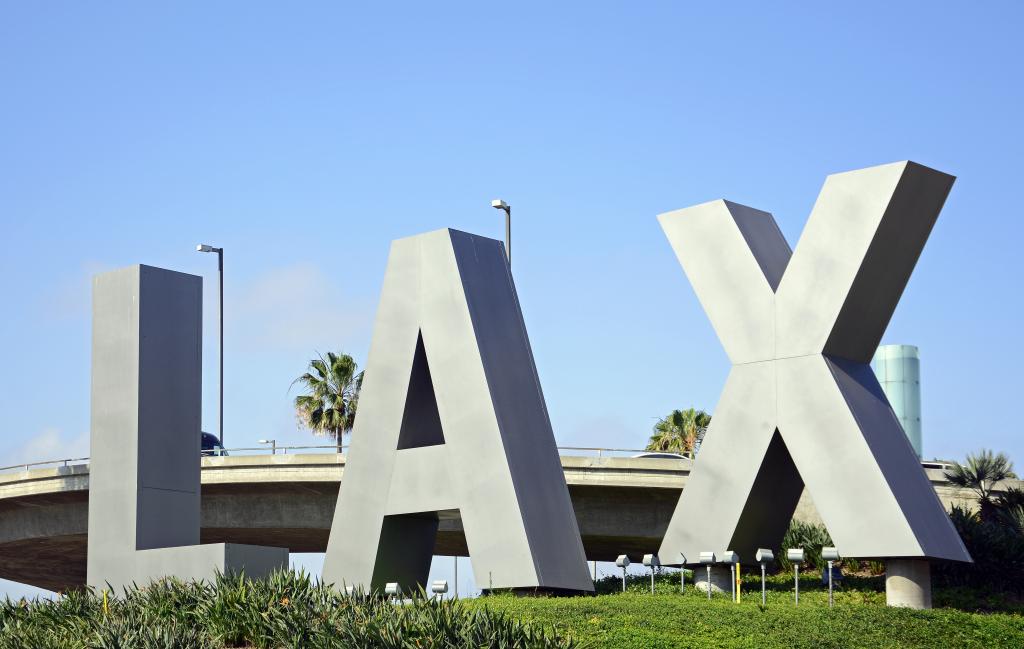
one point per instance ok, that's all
(622, 561)
(682, 572)
(733, 560)
(391, 589)
(763, 556)
(830, 555)
(652, 561)
(439, 587)
(796, 557)
(350, 590)
(708, 559)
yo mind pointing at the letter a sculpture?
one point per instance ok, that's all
(801, 404)
(452, 418)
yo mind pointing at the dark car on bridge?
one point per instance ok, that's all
(211, 445)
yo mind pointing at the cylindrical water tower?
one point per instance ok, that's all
(898, 368)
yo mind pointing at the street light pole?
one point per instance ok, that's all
(220, 271)
(499, 204)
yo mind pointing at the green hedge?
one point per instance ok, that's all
(859, 619)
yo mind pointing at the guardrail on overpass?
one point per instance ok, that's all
(286, 499)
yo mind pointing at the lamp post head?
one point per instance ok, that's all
(830, 554)
(764, 555)
(651, 560)
(499, 204)
(622, 561)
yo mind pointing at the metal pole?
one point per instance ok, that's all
(732, 578)
(796, 583)
(508, 234)
(762, 585)
(709, 581)
(682, 579)
(456, 557)
(623, 578)
(220, 268)
(595, 570)
(652, 580)
(830, 584)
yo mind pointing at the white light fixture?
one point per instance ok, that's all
(796, 557)
(763, 556)
(733, 560)
(708, 559)
(652, 561)
(391, 589)
(830, 555)
(622, 561)
(439, 587)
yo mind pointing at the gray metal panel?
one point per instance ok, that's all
(836, 431)
(144, 442)
(854, 258)
(454, 290)
(730, 282)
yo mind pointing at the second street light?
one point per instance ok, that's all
(220, 270)
(499, 204)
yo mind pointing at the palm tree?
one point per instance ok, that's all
(982, 471)
(332, 394)
(679, 432)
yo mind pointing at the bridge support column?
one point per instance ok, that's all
(908, 583)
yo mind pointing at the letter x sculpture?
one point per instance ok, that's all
(801, 404)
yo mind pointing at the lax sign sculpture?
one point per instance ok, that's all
(452, 420)
(801, 404)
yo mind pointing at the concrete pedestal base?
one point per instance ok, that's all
(721, 579)
(908, 583)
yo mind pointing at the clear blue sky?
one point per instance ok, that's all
(304, 139)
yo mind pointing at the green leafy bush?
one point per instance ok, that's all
(997, 547)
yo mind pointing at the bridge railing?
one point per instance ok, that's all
(275, 449)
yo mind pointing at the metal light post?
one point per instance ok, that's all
(733, 560)
(220, 270)
(763, 556)
(456, 557)
(682, 573)
(652, 561)
(273, 445)
(499, 204)
(708, 559)
(796, 556)
(830, 555)
(622, 561)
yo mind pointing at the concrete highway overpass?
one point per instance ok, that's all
(622, 505)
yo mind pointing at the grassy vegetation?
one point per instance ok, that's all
(286, 611)
(290, 611)
(859, 619)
